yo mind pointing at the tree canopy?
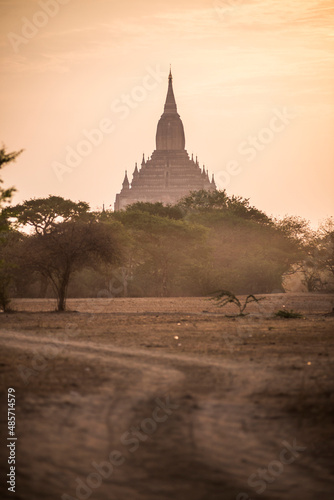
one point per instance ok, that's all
(44, 213)
(219, 201)
(207, 242)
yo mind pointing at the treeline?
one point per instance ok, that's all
(207, 242)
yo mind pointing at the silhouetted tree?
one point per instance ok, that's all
(43, 213)
(69, 247)
(6, 267)
(219, 201)
(326, 245)
(169, 211)
(9, 265)
(315, 265)
(318, 266)
(6, 194)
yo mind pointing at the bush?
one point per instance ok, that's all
(287, 314)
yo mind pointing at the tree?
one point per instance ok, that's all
(9, 268)
(69, 247)
(249, 257)
(204, 200)
(5, 236)
(319, 263)
(170, 211)
(315, 265)
(296, 228)
(43, 213)
(6, 194)
(163, 252)
(225, 243)
(111, 280)
(249, 253)
(326, 246)
(219, 202)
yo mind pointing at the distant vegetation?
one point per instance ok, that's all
(208, 241)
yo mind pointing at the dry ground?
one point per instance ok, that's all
(93, 380)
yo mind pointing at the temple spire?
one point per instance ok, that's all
(126, 183)
(213, 180)
(170, 105)
(135, 173)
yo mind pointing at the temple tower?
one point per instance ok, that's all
(169, 174)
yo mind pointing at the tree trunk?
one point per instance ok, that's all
(61, 302)
(62, 292)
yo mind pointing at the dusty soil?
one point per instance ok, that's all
(142, 399)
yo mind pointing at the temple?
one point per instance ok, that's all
(169, 174)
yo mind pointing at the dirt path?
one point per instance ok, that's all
(184, 427)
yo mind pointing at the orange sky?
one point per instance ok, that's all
(253, 80)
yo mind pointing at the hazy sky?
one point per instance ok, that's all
(253, 80)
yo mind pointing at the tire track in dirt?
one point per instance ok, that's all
(207, 450)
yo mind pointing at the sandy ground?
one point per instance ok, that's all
(134, 399)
